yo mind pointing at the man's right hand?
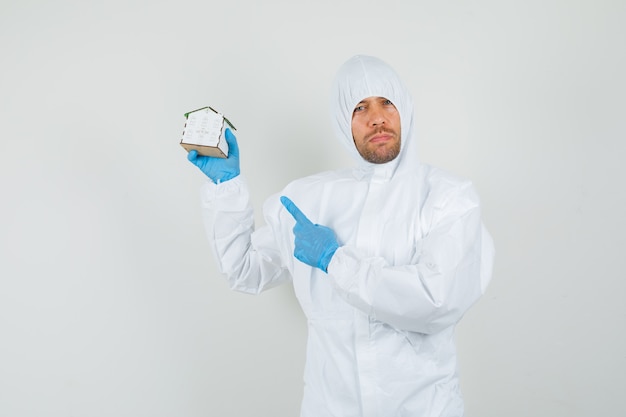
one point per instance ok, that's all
(219, 169)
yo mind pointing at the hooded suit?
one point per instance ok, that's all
(414, 256)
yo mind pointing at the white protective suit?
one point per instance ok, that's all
(414, 257)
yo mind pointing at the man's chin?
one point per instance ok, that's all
(381, 156)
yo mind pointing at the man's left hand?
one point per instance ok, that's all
(315, 245)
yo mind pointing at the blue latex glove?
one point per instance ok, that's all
(219, 169)
(315, 244)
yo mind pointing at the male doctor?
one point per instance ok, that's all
(385, 257)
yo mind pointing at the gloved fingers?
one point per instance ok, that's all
(192, 155)
(305, 235)
(233, 146)
(295, 211)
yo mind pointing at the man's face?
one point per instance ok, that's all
(376, 130)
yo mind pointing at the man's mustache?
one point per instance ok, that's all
(379, 131)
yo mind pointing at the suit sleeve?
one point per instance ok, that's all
(248, 258)
(452, 271)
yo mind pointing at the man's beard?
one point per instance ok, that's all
(377, 156)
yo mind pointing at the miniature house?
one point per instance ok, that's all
(205, 132)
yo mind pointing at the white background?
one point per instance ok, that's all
(110, 303)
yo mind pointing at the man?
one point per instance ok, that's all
(398, 256)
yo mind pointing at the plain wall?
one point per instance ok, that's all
(110, 302)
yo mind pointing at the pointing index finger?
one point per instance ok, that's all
(294, 210)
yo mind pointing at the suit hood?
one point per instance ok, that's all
(365, 76)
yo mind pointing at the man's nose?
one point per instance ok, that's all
(377, 117)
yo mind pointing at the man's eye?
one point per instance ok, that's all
(388, 102)
(359, 108)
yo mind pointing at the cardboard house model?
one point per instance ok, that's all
(204, 132)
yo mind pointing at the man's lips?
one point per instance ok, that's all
(380, 137)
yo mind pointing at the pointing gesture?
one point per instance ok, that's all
(315, 245)
(295, 211)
